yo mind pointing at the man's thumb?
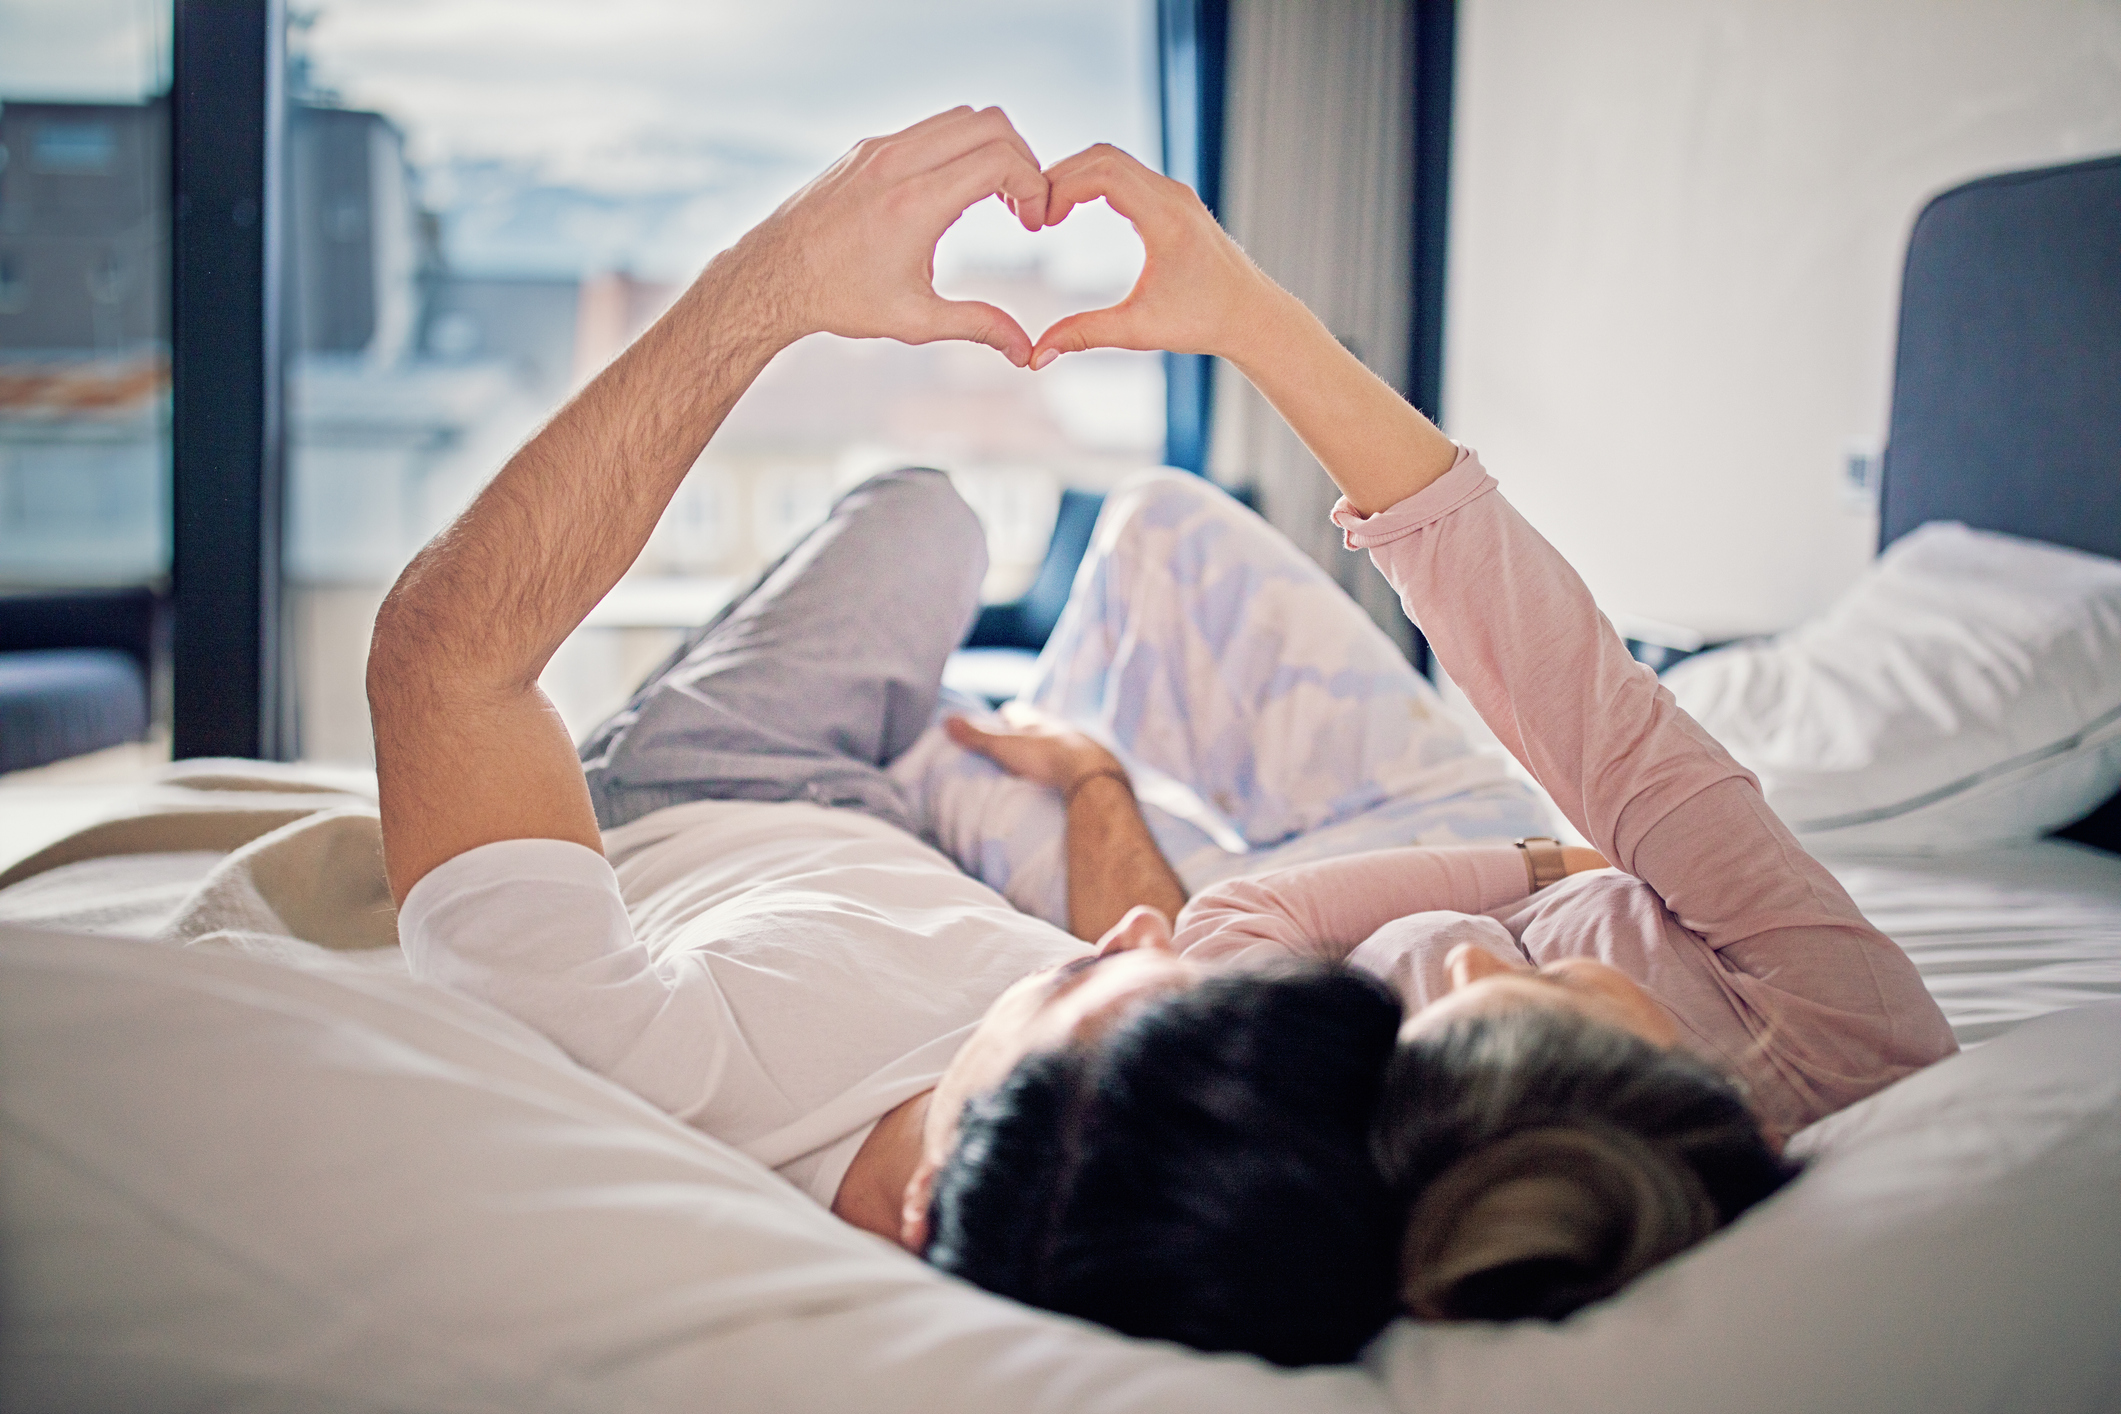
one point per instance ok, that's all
(980, 324)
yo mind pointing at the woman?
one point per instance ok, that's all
(1595, 1070)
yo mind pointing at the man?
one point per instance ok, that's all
(723, 903)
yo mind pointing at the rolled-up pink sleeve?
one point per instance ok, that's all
(1326, 910)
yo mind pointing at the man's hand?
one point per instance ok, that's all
(1198, 291)
(1027, 743)
(468, 751)
(1114, 864)
(853, 253)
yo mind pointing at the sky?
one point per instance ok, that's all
(109, 51)
(558, 136)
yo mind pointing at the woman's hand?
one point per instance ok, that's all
(1025, 742)
(853, 253)
(1197, 293)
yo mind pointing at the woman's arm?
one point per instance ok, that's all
(1326, 910)
(1200, 293)
(1512, 624)
(1505, 614)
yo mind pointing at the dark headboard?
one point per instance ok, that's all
(2007, 383)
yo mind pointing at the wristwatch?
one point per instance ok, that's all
(1543, 863)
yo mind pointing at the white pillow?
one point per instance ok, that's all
(1965, 692)
(1954, 1244)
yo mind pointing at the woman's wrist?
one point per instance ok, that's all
(1270, 330)
(1374, 444)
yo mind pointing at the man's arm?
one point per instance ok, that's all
(468, 749)
(1113, 861)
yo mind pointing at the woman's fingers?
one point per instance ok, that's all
(1105, 171)
(1193, 277)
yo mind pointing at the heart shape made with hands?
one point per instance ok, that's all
(1089, 262)
(1192, 275)
(869, 227)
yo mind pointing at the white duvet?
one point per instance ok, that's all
(236, 1183)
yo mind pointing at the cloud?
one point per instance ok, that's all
(570, 81)
(649, 133)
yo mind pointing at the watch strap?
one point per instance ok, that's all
(1543, 861)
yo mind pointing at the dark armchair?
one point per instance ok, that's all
(74, 672)
(997, 657)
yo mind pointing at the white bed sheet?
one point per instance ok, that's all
(2000, 935)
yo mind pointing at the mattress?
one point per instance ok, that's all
(2000, 935)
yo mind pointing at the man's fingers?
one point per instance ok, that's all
(1023, 715)
(939, 141)
(1108, 328)
(1000, 129)
(975, 323)
(961, 731)
(947, 118)
(994, 168)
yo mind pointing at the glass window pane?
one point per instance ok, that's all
(84, 327)
(84, 242)
(492, 197)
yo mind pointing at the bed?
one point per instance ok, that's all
(246, 1161)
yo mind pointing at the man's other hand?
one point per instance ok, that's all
(1026, 743)
(853, 253)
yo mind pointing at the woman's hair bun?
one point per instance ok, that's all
(1547, 1219)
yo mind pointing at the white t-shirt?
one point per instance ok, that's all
(779, 976)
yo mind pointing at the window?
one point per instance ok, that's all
(491, 198)
(84, 231)
(87, 149)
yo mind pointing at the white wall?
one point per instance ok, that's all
(1675, 246)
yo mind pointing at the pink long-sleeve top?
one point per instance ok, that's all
(1759, 955)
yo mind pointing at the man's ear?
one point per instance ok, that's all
(913, 1210)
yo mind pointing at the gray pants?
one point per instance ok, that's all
(815, 678)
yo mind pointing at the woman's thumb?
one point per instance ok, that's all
(1092, 329)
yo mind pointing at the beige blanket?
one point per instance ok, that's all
(300, 856)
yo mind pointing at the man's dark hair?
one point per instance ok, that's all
(1202, 1173)
(1547, 1159)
